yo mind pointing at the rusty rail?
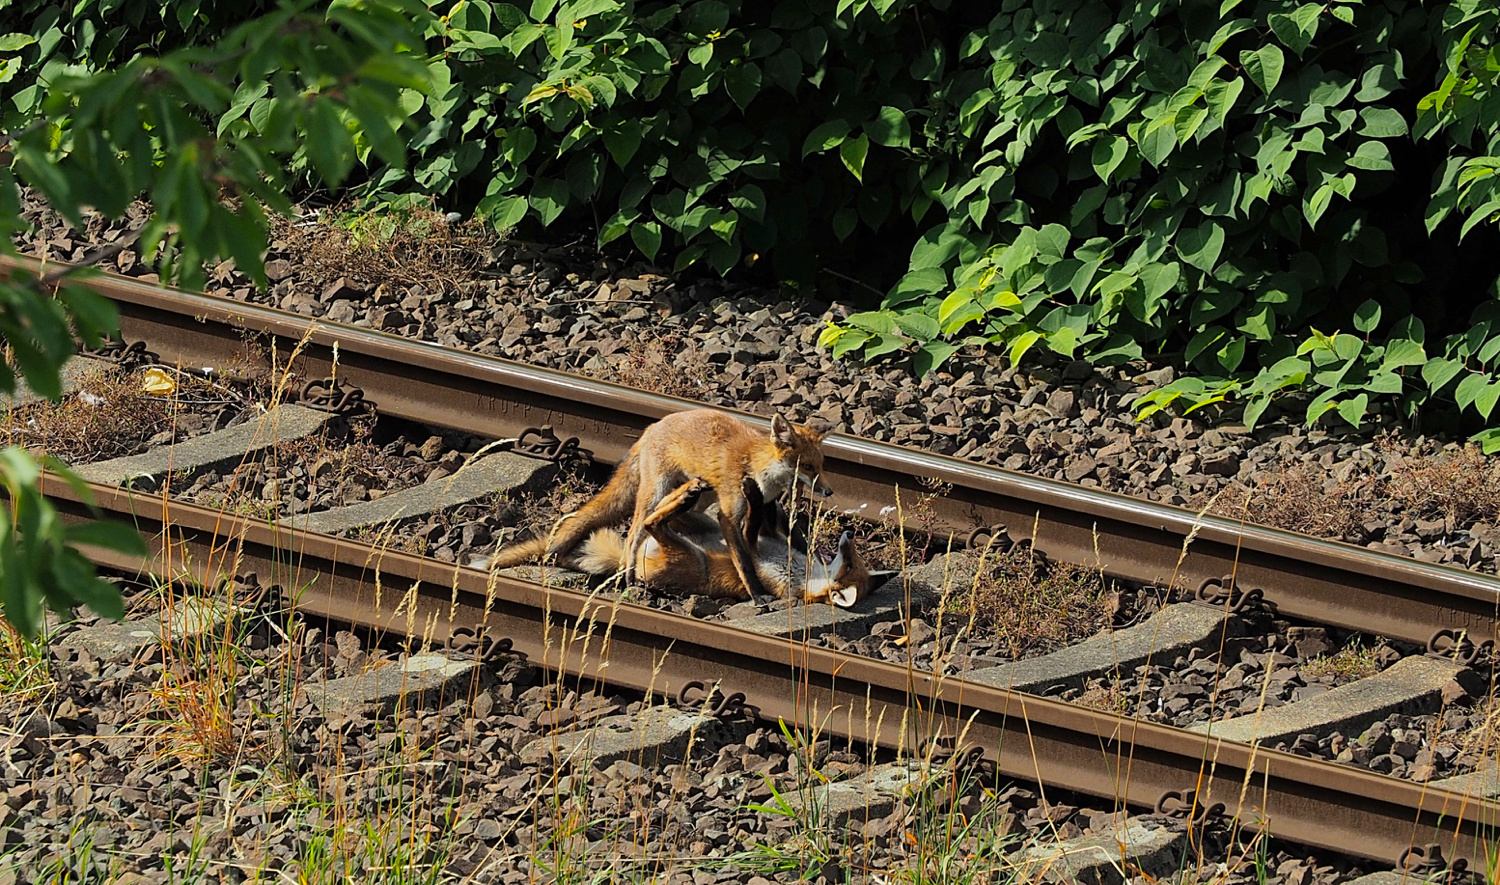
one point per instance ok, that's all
(1032, 738)
(1327, 582)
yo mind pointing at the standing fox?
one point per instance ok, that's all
(683, 551)
(700, 444)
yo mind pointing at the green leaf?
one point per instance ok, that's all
(1253, 410)
(1108, 154)
(1353, 410)
(889, 128)
(1372, 155)
(1367, 316)
(1298, 29)
(828, 135)
(1052, 241)
(15, 42)
(1022, 343)
(844, 221)
(919, 326)
(1439, 371)
(622, 142)
(549, 197)
(1382, 122)
(647, 238)
(1263, 66)
(932, 355)
(880, 322)
(853, 152)
(1403, 352)
(1469, 389)
(1485, 401)
(1201, 246)
(916, 284)
(742, 82)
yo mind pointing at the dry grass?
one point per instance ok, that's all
(1350, 663)
(1301, 498)
(109, 416)
(880, 537)
(398, 246)
(1461, 484)
(1034, 604)
(1458, 484)
(667, 363)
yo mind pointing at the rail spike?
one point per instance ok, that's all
(542, 442)
(1428, 864)
(332, 395)
(1218, 591)
(480, 647)
(1455, 645)
(1185, 805)
(696, 696)
(127, 356)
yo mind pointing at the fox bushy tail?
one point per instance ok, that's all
(614, 503)
(602, 554)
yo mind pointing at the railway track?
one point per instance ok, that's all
(592, 640)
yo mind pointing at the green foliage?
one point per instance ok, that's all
(202, 133)
(1204, 181)
(39, 560)
(1210, 181)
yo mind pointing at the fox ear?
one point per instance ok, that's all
(782, 430)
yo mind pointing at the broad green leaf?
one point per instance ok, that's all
(828, 135)
(1485, 401)
(1353, 410)
(889, 128)
(1367, 316)
(1253, 410)
(1263, 66)
(844, 222)
(1052, 240)
(1469, 389)
(1381, 122)
(1403, 352)
(742, 82)
(1439, 371)
(549, 196)
(916, 284)
(880, 322)
(1022, 343)
(1200, 246)
(919, 326)
(647, 238)
(1108, 154)
(853, 152)
(932, 355)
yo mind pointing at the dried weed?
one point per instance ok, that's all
(110, 415)
(1035, 604)
(1460, 484)
(1301, 498)
(395, 245)
(667, 363)
(1348, 664)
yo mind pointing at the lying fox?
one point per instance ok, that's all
(684, 551)
(716, 449)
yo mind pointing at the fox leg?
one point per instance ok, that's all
(676, 551)
(648, 498)
(734, 514)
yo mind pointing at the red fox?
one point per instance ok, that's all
(685, 552)
(698, 444)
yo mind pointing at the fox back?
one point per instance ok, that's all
(719, 448)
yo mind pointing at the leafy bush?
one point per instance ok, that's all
(1279, 197)
(103, 139)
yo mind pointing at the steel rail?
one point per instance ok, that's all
(583, 638)
(1327, 582)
